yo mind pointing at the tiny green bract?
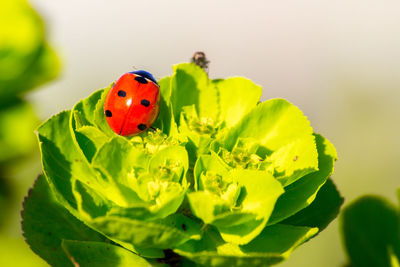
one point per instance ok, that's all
(224, 180)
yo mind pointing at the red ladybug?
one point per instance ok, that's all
(133, 103)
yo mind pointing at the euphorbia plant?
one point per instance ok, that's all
(221, 180)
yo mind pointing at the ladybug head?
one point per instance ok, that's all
(145, 74)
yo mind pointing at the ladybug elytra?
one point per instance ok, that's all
(133, 103)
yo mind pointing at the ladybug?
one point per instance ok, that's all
(133, 103)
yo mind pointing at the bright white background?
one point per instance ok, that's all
(339, 61)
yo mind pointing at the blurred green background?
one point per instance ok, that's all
(339, 61)
(26, 62)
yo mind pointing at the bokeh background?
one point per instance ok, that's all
(339, 61)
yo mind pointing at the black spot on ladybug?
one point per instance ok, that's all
(141, 127)
(184, 227)
(121, 93)
(140, 79)
(145, 102)
(108, 113)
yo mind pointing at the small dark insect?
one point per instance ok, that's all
(295, 158)
(184, 227)
(199, 58)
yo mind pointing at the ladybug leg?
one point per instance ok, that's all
(154, 129)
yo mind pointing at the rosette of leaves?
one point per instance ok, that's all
(223, 180)
(370, 227)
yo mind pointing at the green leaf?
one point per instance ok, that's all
(371, 231)
(90, 139)
(295, 160)
(143, 237)
(124, 157)
(190, 86)
(62, 161)
(119, 170)
(189, 225)
(237, 96)
(90, 203)
(302, 193)
(259, 194)
(271, 239)
(86, 253)
(84, 115)
(144, 234)
(94, 134)
(261, 191)
(272, 246)
(246, 219)
(56, 166)
(324, 209)
(273, 123)
(205, 205)
(99, 118)
(165, 120)
(46, 222)
(165, 89)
